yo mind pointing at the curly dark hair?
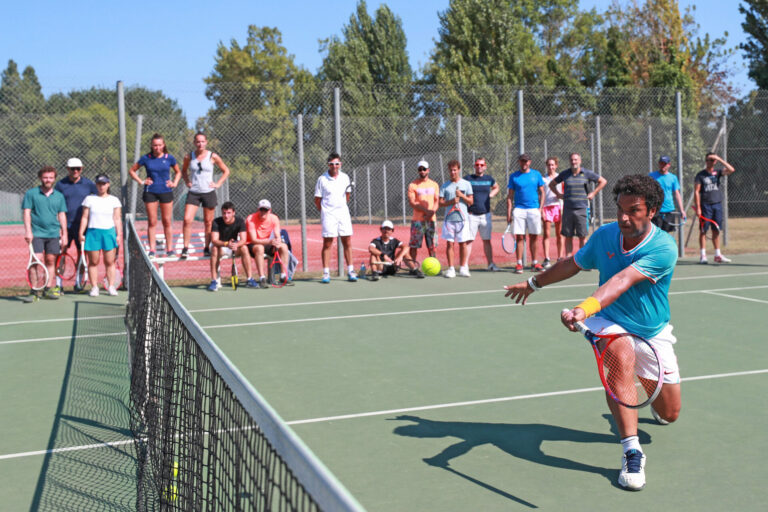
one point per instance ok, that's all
(640, 185)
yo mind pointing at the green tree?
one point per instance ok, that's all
(21, 94)
(756, 48)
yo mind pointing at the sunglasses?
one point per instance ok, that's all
(263, 209)
(423, 169)
(75, 168)
(480, 165)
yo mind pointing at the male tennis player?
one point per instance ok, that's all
(709, 203)
(228, 233)
(390, 249)
(526, 193)
(457, 192)
(671, 188)
(331, 197)
(636, 260)
(484, 187)
(45, 224)
(423, 196)
(263, 229)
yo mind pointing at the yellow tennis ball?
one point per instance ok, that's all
(430, 266)
(175, 469)
(171, 493)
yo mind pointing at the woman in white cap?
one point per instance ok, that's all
(100, 229)
(202, 189)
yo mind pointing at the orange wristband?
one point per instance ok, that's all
(590, 306)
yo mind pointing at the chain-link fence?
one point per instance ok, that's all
(383, 132)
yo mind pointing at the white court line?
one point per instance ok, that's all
(738, 297)
(48, 320)
(373, 315)
(393, 411)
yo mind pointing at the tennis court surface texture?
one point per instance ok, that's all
(418, 394)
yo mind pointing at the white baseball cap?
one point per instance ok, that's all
(387, 224)
(74, 162)
(264, 203)
(422, 163)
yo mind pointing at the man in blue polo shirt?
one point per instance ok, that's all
(526, 192)
(75, 188)
(671, 188)
(45, 224)
(484, 187)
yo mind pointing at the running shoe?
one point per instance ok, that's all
(632, 475)
(658, 418)
(450, 273)
(263, 283)
(251, 283)
(326, 279)
(213, 286)
(464, 272)
(493, 268)
(537, 268)
(184, 253)
(352, 276)
(722, 259)
(518, 269)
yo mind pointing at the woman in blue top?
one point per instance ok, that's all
(158, 188)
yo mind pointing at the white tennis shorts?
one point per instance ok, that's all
(451, 234)
(337, 223)
(480, 224)
(663, 343)
(526, 219)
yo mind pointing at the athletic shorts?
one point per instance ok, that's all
(663, 343)
(574, 222)
(151, 197)
(336, 224)
(423, 230)
(551, 213)
(73, 236)
(46, 245)
(269, 250)
(480, 224)
(451, 233)
(204, 199)
(526, 219)
(100, 239)
(712, 211)
(660, 220)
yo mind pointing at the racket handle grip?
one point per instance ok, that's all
(582, 328)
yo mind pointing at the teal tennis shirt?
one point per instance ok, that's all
(45, 211)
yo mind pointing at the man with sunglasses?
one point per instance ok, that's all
(423, 196)
(263, 235)
(709, 203)
(480, 219)
(331, 197)
(75, 188)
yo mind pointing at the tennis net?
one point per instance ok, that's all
(205, 439)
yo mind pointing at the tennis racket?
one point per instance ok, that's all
(66, 266)
(278, 270)
(81, 273)
(348, 191)
(455, 216)
(675, 219)
(233, 274)
(508, 240)
(708, 227)
(37, 274)
(626, 363)
(408, 264)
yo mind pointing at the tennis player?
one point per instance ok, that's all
(263, 228)
(331, 197)
(636, 260)
(484, 188)
(158, 188)
(101, 228)
(202, 189)
(671, 188)
(388, 248)
(75, 188)
(228, 233)
(423, 196)
(45, 224)
(551, 213)
(526, 193)
(456, 192)
(709, 203)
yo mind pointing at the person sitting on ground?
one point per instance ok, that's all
(386, 248)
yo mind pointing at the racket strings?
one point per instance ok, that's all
(619, 370)
(37, 276)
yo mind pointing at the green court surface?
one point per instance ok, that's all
(430, 394)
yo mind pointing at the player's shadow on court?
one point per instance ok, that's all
(522, 440)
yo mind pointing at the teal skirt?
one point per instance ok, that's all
(100, 239)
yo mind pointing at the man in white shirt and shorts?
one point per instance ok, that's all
(331, 197)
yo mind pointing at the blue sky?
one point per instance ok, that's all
(171, 44)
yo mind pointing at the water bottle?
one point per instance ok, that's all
(362, 270)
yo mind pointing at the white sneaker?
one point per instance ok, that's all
(632, 475)
(703, 260)
(722, 259)
(112, 291)
(493, 268)
(464, 272)
(659, 419)
(94, 291)
(450, 272)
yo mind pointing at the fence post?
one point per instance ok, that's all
(337, 132)
(384, 179)
(370, 216)
(302, 191)
(442, 173)
(679, 130)
(725, 185)
(136, 155)
(402, 175)
(546, 152)
(506, 162)
(354, 192)
(650, 148)
(599, 170)
(123, 145)
(592, 151)
(520, 123)
(285, 194)
(458, 137)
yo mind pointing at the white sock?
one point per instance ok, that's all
(326, 271)
(631, 443)
(535, 261)
(262, 277)
(703, 253)
(350, 268)
(717, 252)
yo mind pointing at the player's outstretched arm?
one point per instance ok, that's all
(560, 271)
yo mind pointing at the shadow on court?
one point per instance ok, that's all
(519, 440)
(92, 410)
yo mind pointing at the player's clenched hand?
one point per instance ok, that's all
(518, 292)
(570, 317)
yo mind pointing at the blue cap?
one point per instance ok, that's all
(665, 159)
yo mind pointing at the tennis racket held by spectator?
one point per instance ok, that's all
(37, 274)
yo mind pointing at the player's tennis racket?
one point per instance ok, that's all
(626, 363)
(278, 271)
(508, 240)
(66, 266)
(81, 273)
(233, 274)
(349, 190)
(37, 274)
(708, 227)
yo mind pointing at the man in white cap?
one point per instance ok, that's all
(423, 196)
(75, 188)
(263, 229)
(387, 248)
